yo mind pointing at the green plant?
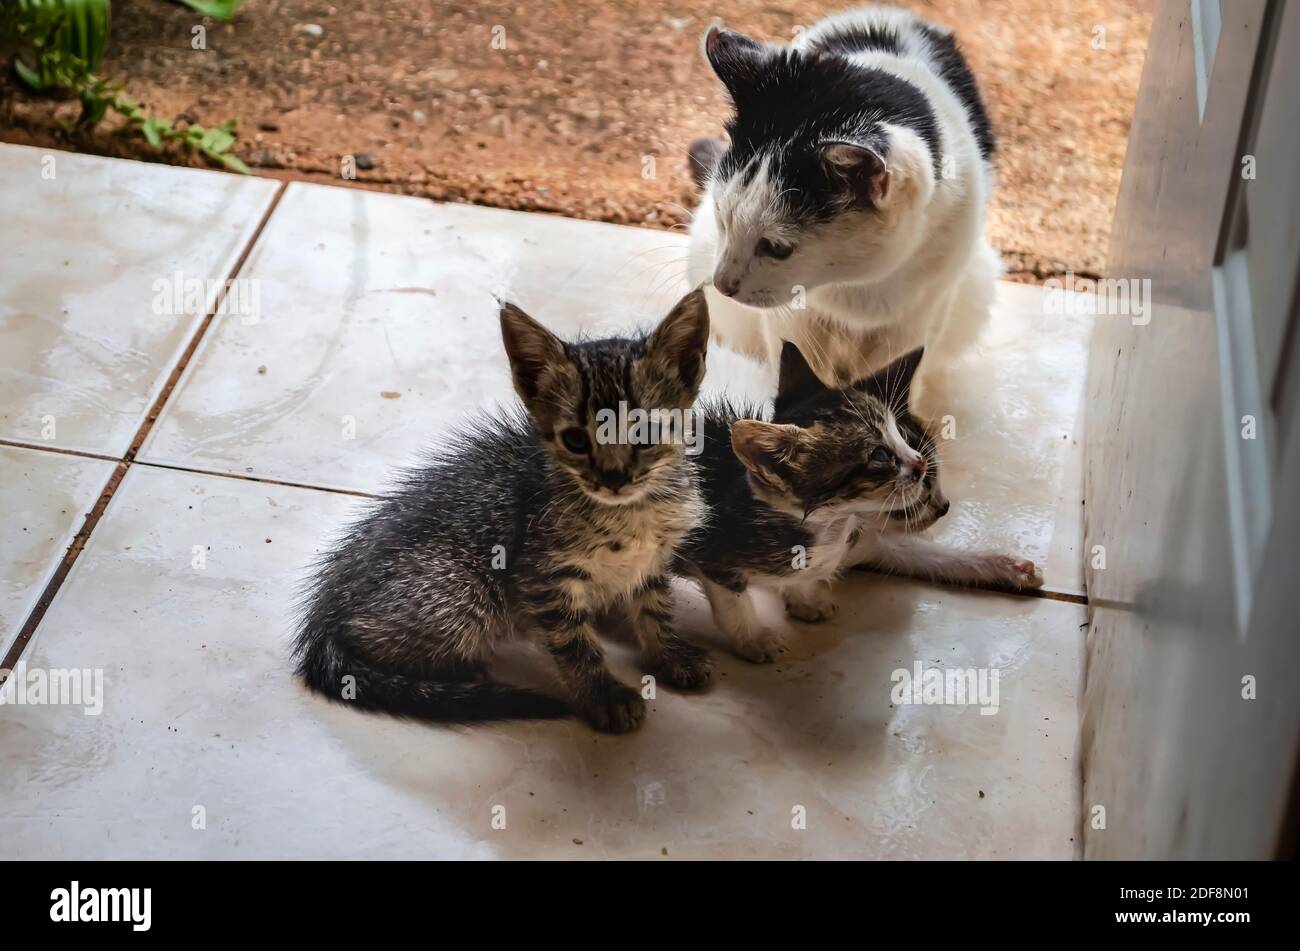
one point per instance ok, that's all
(59, 44)
(57, 30)
(217, 9)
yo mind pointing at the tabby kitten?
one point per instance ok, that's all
(838, 477)
(533, 525)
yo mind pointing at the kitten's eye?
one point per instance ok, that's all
(771, 249)
(575, 440)
(881, 456)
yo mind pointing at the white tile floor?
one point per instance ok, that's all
(379, 308)
(46, 497)
(84, 354)
(394, 335)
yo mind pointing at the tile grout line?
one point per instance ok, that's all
(261, 480)
(93, 517)
(1041, 594)
(1066, 597)
(96, 512)
(266, 480)
(1036, 594)
(59, 450)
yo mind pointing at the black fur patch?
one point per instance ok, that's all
(861, 39)
(794, 103)
(957, 74)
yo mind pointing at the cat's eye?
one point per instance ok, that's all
(881, 456)
(773, 249)
(575, 440)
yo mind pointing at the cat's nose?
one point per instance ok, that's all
(727, 284)
(615, 479)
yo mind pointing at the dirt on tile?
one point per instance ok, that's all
(584, 107)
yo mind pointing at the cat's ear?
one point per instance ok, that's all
(893, 383)
(537, 357)
(766, 449)
(679, 343)
(797, 381)
(736, 58)
(861, 168)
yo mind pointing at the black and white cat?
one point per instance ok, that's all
(847, 212)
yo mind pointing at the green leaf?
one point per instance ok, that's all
(153, 130)
(75, 28)
(60, 42)
(27, 75)
(217, 9)
(216, 141)
(92, 110)
(234, 162)
(92, 26)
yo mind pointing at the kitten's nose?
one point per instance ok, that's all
(614, 479)
(726, 284)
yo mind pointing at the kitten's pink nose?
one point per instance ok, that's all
(919, 468)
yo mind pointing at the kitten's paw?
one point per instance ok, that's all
(619, 709)
(1015, 573)
(684, 666)
(760, 648)
(812, 610)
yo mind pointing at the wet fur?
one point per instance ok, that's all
(405, 613)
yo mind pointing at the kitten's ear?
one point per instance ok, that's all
(893, 383)
(736, 58)
(536, 355)
(861, 168)
(679, 343)
(797, 381)
(766, 449)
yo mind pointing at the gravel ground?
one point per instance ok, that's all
(588, 108)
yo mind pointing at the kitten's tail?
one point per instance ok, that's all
(330, 669)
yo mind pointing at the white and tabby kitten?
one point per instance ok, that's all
(846, 213)
(827, 479)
